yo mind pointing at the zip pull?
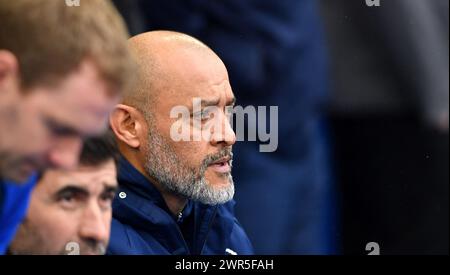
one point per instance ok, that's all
(180, 215)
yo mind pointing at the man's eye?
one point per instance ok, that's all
(67, 197)
(60, 130)
(63, 131)
(108, 197)
(106, 200)
(203, 115)
(67, 200)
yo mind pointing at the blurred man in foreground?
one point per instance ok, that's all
(62, 69)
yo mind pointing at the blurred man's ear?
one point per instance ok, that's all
(127, 124)
(8, 66)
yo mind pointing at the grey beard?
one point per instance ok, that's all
(164, 166)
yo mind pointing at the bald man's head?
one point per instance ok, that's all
(158, 55)
(175, 71)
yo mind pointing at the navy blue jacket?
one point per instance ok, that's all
(143, 224)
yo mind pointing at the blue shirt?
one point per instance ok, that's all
(14, 200)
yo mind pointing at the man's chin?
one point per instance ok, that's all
(218, 180)
(222, 183)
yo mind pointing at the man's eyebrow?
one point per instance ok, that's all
(72, 189)
(215, 102)
(203, 103)
(210, 102)
(109, 188)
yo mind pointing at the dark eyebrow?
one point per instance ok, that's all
(71, 189)
(109, 188)
(213, 102)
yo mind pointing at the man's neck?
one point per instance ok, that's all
(174, 202)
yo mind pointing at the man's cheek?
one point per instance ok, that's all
(190, 152)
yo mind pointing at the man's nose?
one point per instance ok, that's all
(65, 152)
(223, 133)
(94, 225)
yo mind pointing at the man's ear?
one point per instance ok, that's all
(127, 124)
(8, 65)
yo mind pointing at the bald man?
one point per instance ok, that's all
(176, 191)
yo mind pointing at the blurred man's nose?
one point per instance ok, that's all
(223, 133)
(94, 226)
(65, 152)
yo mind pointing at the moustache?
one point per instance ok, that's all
(210, 159)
